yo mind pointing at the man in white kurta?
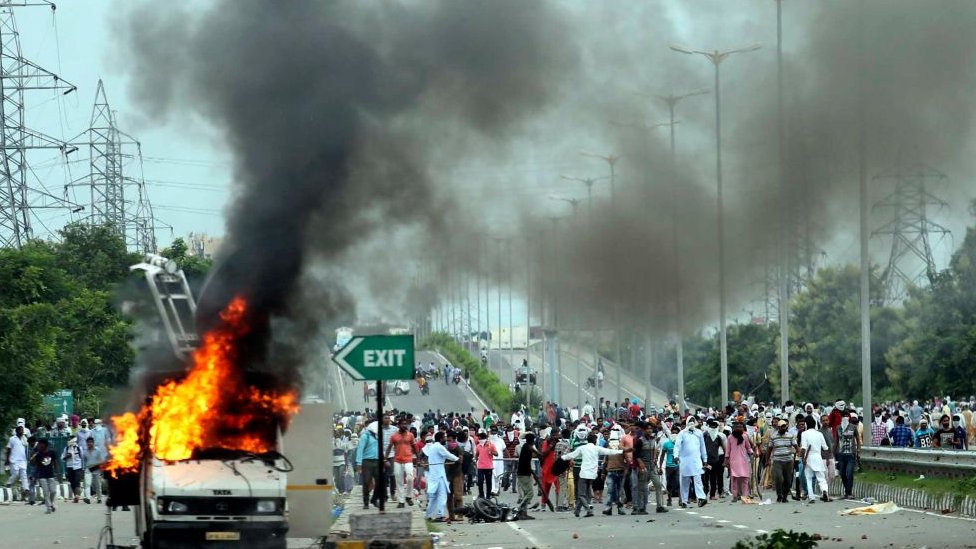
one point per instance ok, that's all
(689, 452)
(499, 464)
(437, 484)
(812, 443)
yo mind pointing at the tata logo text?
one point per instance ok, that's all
(221, 492)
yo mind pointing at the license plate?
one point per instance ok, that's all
(223, 536)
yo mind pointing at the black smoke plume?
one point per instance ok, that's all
(332, 111)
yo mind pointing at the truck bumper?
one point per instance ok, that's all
(253, 535)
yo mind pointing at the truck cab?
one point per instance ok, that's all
(218, 497)
(221, 497)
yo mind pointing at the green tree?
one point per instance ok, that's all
(752, 355)
(28, 357)
(31, 275)
(939, 348)
(58, 326)
(94, 255)
(194, 267)
(825, 337)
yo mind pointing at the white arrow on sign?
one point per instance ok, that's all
(340, 358)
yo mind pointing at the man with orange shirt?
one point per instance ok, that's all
(403, 456)
(627, 445)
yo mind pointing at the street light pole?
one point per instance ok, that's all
(555, 360)
(528, 310)
(716, 57)
(862, 150)
(588, 181)
(477, 293)
(484, 246)
(511, 280)
(672, 100)
(574, 202)
(499, 241)
(784, 263)
(611, 160)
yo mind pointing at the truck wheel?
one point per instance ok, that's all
(147, 540)
(398, 391)
(372, 393)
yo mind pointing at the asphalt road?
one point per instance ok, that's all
(446, 397)
(576, 367)
(74, 526)
(571, 390)
(719, 524)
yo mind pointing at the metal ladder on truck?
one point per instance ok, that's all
(173, 300)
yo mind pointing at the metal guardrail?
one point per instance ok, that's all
(934, 462)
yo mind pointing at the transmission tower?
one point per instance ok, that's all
(18, 200)
(910, 262)
(116, 198)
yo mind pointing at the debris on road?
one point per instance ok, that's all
(877, 509)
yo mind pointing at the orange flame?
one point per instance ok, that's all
(209, 408)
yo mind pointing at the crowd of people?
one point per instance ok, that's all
(614, 454)
(70, 449)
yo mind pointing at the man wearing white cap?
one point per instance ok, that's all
(73, 467)
(101, 435)
(21, 422)
(16, 459)
(689, 452)
(61, 428)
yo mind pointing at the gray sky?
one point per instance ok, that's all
(187, 173)
(623, 48)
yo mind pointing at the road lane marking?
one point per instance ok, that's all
(528, 536)
(721, 521)
(739, 526)
(762, 531)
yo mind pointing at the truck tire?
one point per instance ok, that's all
(372, 392)
(398, 391)
(148, 541)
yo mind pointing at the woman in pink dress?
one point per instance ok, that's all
(738, 460)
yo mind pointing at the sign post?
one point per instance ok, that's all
(378, 358)
(60, 402)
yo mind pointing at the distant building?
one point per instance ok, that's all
(203, 245)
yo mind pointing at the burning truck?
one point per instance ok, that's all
(202, 460)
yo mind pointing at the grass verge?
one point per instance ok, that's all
(935, 486)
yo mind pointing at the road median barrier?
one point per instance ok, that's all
(929, 462)
(358, 528)
(909, 498)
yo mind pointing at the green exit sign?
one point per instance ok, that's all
(377, 357)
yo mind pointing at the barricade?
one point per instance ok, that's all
(933, 462)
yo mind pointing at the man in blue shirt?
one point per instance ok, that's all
(901, 436)
(923, 437)
(367, 463)
(962, 441)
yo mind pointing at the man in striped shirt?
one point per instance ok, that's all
(781, 452)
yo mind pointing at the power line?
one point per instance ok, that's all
(188, 209)
(20, 75)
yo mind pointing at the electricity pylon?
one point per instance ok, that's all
(910, 262)
(116, 198)
(18, 200)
